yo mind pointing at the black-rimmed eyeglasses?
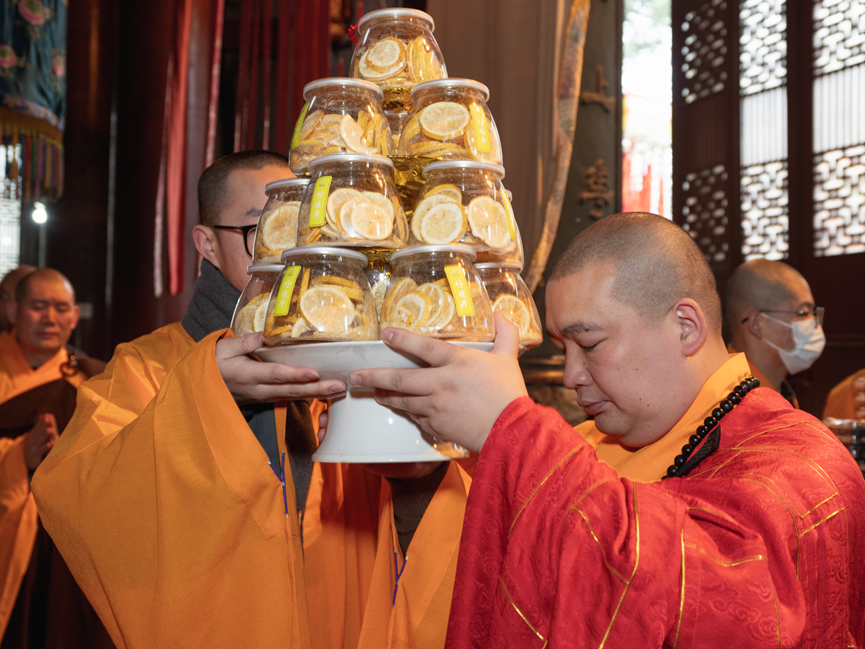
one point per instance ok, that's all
(248, 232)
(817, 314)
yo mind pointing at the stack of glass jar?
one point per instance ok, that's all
(405, 174)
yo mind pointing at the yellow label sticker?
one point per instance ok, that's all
(286, 288)
(512, 221)
(318, 208)
(460, 290)
(482, 129)
(298, 127)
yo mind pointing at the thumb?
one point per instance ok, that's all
(507, 342)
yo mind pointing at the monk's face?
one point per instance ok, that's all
(246, 199)
(46, 317)
(799, 298)
(626, 370)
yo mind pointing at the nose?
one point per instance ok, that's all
(575, 375)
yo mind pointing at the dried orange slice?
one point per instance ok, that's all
(515, 310)
(259, 316)
(279, 229)
(444, 223)
(327, 309)
(352, 135)
(447, 312)
(367, 72)
(436, 300)
(423, 207)
(244, 322)
(335, 201)
(444, 120)
(335, 281)
(489, 221)
(396, 292)
(448, 190)
(299, 328)
(385, 54)
(310, 123)
(438, 150)
(380, 199)
(413, 310)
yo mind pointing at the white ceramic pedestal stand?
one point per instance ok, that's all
(360, 430)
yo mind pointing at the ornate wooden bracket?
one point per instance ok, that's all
(599, 97)
(598, 184)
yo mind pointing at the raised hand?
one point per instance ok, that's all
(460, 396)
(40, 440)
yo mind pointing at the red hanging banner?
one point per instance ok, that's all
(241, 106)
(215, 68)
(252, 95)
(282, 75)
(267, 22)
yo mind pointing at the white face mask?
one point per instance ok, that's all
(810, 341)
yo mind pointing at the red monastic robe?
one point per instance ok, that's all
(163, 504)
(760, 546)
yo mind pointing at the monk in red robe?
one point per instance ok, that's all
(41, 606)
(694, 510)
(185, 500)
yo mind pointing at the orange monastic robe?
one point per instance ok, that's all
(847, 399)
(166, 510)
(18, 520)
(759, 546)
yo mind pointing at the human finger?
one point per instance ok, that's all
(281, 373)
(507, 341)
(433, 351)
(228, 347)
(417, 407)
(413, 382)
(292, 391)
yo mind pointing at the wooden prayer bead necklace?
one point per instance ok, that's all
(678, 468)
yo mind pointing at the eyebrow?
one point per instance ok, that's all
(581, 327)
(253, 211)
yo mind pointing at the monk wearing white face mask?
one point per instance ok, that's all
(772, 319)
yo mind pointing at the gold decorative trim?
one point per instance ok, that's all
(541, 484)
(822, 521)
(519, 612)
(682, 597)
(601, 547)
(726, 564)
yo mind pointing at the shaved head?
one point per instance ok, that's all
(47, 275)
(656, 264)
(7, 294)
(760, 285)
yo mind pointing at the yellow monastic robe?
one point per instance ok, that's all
(18, 520)
(847, 399)
(764, 381)
(166, 510)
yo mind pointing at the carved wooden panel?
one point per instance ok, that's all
(765, 211)
(705, 213)
(704, 51)
(839, 202)
(763, 45)
(839, 35)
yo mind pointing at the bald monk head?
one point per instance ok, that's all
(231, 195)
(765, 300)
(633, 304)
(7, 295)
(46, 314)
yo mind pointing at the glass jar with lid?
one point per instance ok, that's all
(352, 201)
(277, 226)
(396, 50)
(463, 201)
(450, 120)
(321, 294)
(509, 294)
(436, 291)
(341, 115)
(251, 309)
(513, 254)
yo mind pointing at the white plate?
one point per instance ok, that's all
(359, 428)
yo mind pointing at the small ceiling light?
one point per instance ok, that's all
(40, 214)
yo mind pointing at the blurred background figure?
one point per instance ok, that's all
(7, 295)
(847, 399)
(772, 318)
(40, 603)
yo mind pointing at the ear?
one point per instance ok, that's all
(207, 244)
(752, 326)
(692, 325)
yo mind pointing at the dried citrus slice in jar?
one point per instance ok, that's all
(403, 287)
(370, 220)
(449, 190)
(335, 202)
(279, 230)
(447, 312)
(382, 56)
(444, 223)
(413, 310)
(437, 301)
(444, 120)
(489, 222)
(423, 207)
(516, 311)
(352, 135)
(327, 309)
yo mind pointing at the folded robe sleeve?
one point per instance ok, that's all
(558, 551)
(171, 520)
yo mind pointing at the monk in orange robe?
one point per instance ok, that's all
(189, 509)
(847, 399)
(694, 510)
(40, 603)
(772, 318)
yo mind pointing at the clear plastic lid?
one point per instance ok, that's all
(341, 82)
(422, 250)
(465, 164)
(325, 250)
(354, 157)
(451, 83)
(507, 265)
(287, 182)
(263, 268)
(396, 14)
